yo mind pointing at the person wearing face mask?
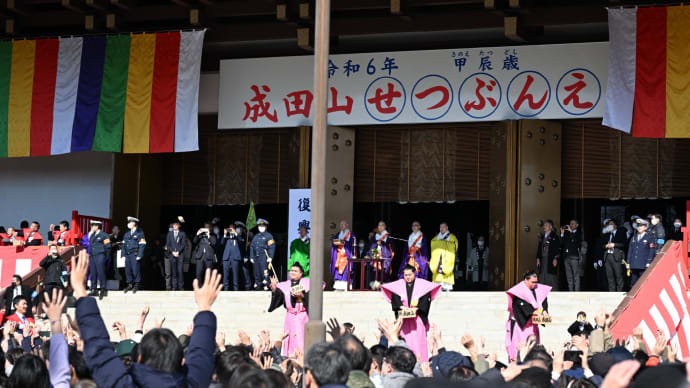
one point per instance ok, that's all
(299, 251)
(56, 271)
(641, 252)
(677, 233)
(657, 232)
(134, 243)
(261, 252)
(614, 244)
(478, 264)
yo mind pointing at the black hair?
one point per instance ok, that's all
(408, 267)
(550, 222)
(45, 350)
(292, 367)
(14, 354)
(17, 276)
(18, 299)
(277, 379)
(533, 377)
(161, 350)
(348, 326)
(29, 371)
(229, 360)
(24, 224)
(461, 374)
(327, 364)
(529, 274)
(657, 215)
(540, 353)
(78, 362)
(37, 224)
(248, 376)
(401, 359)
(444, 223)
(297, 265)
(356, 353)
(65, 224)
(378, 351)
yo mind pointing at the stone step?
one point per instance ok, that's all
(479, 313)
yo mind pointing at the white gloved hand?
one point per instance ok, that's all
(647, 266)
(252, 260)
(269, 260)
(595, 265)
(138, 258)
(601, 264)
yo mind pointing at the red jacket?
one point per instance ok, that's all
(67, 239)
(37, 238)
(6, 236)
(20, 324)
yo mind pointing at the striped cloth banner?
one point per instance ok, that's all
(658, 302)
(661, 77)
(133, 93)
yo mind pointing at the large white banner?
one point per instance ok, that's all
(476, 84)
(299, 214)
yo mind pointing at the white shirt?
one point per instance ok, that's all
(343, 233)
(412, 238)
(379, 235)
(442, 236)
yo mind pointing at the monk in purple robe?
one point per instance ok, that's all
(525, 299)
(412, 297)
(293, 295)
(342, 249)
(380, 248)
(417, 254)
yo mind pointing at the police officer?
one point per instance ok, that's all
(641, 251)
(657, 232)
(133, 247)
(99, 248)
(262, 246)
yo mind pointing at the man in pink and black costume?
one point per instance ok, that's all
(295, 299)
(416, 294)
(524, 300)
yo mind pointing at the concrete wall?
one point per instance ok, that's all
(47, 189)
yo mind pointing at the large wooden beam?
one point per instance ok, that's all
(74, 5)
(15, 8)
(101, 5)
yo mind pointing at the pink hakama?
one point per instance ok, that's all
(519, 334)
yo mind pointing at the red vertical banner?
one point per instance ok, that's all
(165, 66)
(649, 111)
(45, 73)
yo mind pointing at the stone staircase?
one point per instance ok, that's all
(479, 313)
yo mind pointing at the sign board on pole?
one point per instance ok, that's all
(299, 214)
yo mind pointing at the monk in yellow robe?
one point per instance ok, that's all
(444, 247)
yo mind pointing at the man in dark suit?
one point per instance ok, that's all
(614, 245)
(549, 256)
(15, 290)
(233, 258)
(571, 243)
(204, 253)
(174, 246)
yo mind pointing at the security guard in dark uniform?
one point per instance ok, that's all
(261, 253)
(641, 251)
(133, 247)
(658, 232)
(99, 247)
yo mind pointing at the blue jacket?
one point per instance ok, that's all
(108, 371)
(134, 243)
(234, 247)
(260, 242)
(641, 251)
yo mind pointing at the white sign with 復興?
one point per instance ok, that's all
(475, 84)
(299, 214)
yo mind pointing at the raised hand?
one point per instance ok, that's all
(78, 274)
(334, 328)
(53, 307)
(620, 374)
(207, 294)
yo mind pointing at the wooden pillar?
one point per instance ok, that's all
(304, 156)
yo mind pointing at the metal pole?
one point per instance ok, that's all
(315, 329)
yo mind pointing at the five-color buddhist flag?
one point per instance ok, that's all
(133, 93)
(649, 71)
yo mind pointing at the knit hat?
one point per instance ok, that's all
(444, 362)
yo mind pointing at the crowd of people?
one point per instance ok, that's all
(63, 351)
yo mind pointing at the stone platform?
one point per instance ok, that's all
(479, 313)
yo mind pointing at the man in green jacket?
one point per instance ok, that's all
(299, 251)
